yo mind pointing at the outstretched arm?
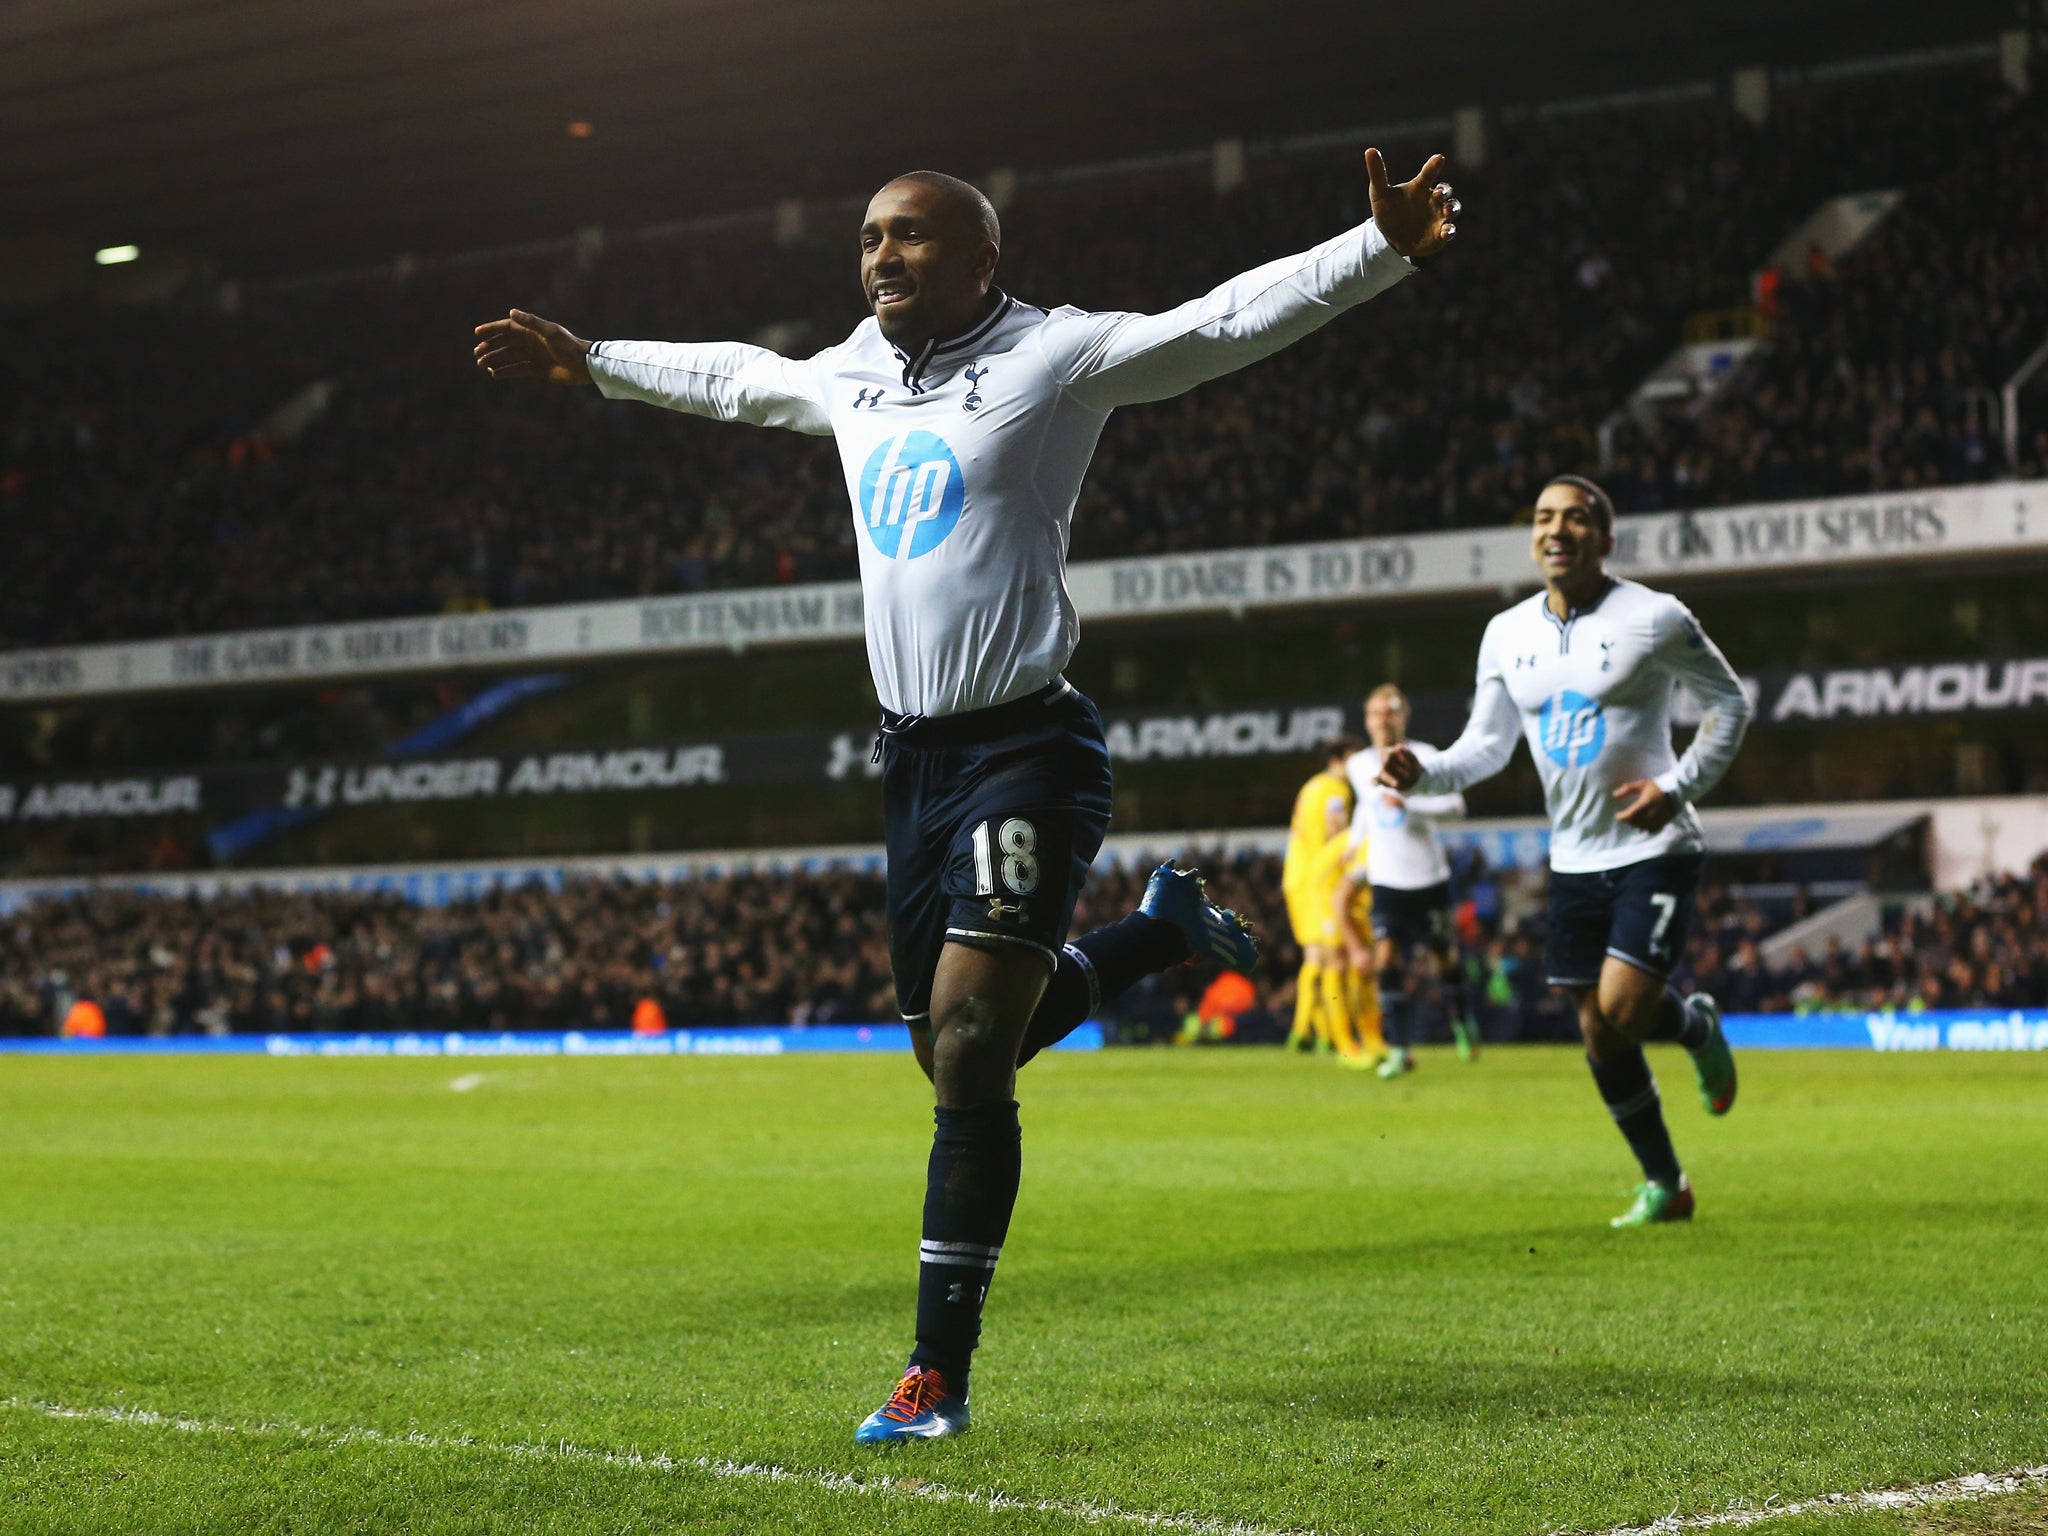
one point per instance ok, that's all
(724, 380)
(1450, 807)
(1108, 360)
(1485, 746)
(523, 346)
(1480, 752)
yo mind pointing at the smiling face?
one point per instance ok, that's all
(1568, 542)
(925, 262)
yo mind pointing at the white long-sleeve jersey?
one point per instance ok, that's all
(963, 463)
(1593, 696)
(1402, 852)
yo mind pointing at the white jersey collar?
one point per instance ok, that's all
(914, 368)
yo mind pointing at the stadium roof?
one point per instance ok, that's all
(287, 135)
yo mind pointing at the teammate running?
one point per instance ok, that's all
(1589, 665)
(965, 420)
(1410, 881)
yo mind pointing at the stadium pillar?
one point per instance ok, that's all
(1226, 165)
(1002, 187)
(1468, 138)
(1751, 91)
(2013, 48)
(589, 246)
(789, 221)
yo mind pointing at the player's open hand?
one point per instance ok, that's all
(524, 346)
(1418, 217)
(1399, 768)
(1649, 809)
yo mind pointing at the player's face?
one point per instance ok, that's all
(925, 266)
(1386, 721)
(1567, 541)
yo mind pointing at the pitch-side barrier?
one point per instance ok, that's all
(739, 1040)
(2013, 1029)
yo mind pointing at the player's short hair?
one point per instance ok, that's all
(1344, 744)
(970, 199)
(1388, 691)
(1597, 500)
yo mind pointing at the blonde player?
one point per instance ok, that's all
(1309, 879)
(1402, 866)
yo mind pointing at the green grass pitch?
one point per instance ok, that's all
(1240, 1287)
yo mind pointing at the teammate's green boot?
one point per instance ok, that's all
(1657, 1202)
(1713, 1063)
(1466, 1033)
(1399, 1061)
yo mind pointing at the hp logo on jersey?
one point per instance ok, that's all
(911, 494)
(1573, 729)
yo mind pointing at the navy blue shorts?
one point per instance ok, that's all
(1638, 913)
(1413, 917)
(992, 819)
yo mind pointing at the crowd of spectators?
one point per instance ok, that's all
(148, 487)
(753, 948)
(811, 948)
(1984, 948)
(759, 948)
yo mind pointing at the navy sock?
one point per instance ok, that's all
(1397, 1017)
(1096, 967)
(1454, 990)
(1397, 1004)
(1677, 1023)
(970, 1190)
(1630, 1093)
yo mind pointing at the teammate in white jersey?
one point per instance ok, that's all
(1410, 877)
(1585, 670)
(965, 421)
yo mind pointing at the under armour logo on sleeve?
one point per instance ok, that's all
(861, 400)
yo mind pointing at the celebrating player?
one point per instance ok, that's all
(1589, 665)
(1410, 881)
(965, 420)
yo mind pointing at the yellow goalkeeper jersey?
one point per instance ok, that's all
(1309, 833)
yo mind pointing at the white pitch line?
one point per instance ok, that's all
(714, 1466)
(1954, 1490)
(1977, 1485)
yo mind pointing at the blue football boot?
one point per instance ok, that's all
(922, 1407)
(1177, 896)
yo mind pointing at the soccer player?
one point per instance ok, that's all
(965, 420)
(1587, 668)
(1310, 875)
(1410, 880)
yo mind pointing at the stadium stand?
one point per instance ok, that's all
(810, 948)
(1984, 948)
(326, 452)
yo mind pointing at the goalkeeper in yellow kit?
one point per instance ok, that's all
(1330, 1005)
